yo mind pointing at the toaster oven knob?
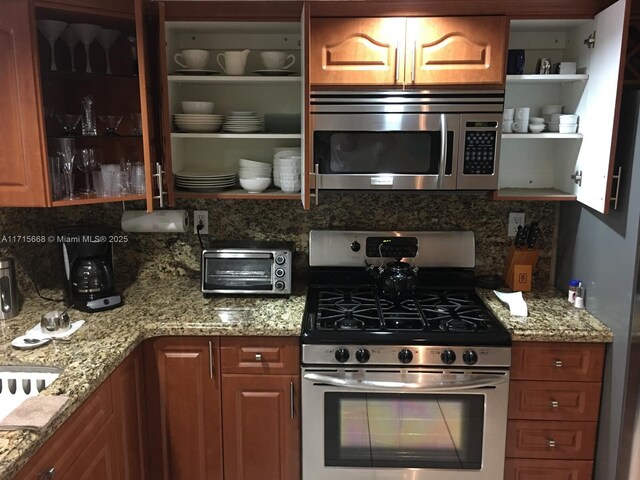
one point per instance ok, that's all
(279, 285)
(342, 355)
(280, 259)
(355, 246)
(362, 355)
(448, 357)
(405, 356)
(279, 272)
(470, 357)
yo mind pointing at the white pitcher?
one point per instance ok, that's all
(235, 61)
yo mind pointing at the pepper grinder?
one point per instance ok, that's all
(9, 306)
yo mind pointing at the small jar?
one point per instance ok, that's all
(579, 301)
(573, 286)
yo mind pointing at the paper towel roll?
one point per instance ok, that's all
(161, 221)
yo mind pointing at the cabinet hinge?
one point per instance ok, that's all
(616, 197)
(590, 41)
(577, 178)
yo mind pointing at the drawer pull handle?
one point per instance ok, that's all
(555, 404)
(557, 363)
(48, 474)
(258, 357)
(551, 443)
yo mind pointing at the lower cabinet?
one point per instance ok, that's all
(233, 398)
(92, 444)
(554, 401)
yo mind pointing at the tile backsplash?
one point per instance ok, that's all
(167, 255)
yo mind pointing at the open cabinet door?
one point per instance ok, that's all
(304, 73)
(23, 176)
(600, 106)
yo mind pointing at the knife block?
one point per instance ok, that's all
(519, 268)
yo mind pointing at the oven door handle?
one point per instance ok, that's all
(438, 383)
(443, 149)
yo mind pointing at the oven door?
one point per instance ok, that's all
(237, 272)
(403, 151)
(404, 424)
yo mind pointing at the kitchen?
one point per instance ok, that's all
(148, 261)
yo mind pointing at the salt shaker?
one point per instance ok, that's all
(579, 302)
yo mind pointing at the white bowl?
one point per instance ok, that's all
(255, 184)
(553, 126)
(568, 119)
(568, 128)
(550, 109)
(536, 128)
(197, 107)
(243, 162)
(290, 187)
(536, 120)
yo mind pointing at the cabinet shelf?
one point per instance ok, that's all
(529, 194)
(226, 79)
(64, 75)
(87, 200)
(240, 194)
(542, 136)
(262, 136)
(551, 78)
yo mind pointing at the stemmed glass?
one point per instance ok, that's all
(88, 163)
(133, 45)
(51, 29)
(87, 34)
(106, 38)
(70, 38)
(66, 148)
(68, 122)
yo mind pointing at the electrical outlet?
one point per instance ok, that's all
(201, 216)
(515, 220)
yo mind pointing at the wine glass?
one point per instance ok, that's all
(106, 38)
(70, 38)
(111, 122)
(88, 163)
(69, 123)
(87, 33)
(51, 29)
(133, 45)
(66, 148)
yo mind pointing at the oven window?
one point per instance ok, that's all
(404, 430)
(415, 153)
(237, 273)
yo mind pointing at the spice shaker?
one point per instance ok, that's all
(579, 302)
(573, 285)
(9, 306)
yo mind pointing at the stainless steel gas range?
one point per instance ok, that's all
(405, 372)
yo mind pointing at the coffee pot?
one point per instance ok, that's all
(8, 289)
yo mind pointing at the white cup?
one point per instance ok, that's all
(508, 113)
(521, 120)
(192, 59)
(276, 60)
(235, 61)
(507, 126)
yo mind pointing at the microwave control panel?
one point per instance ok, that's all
(479, 152)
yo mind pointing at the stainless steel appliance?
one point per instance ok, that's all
(9, 306)
(247, 267)
(409, 385)
(406, 140)
(88, 266)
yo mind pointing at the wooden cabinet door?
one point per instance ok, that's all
(183, 408)
(23, 176)
(456, 50)
(261, 427)
(525, 469)
(127, 385)
(356, 51)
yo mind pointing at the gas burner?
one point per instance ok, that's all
(347, 309)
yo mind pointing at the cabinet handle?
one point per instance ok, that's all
(618, 179)
(555, 404)
(210, 360)
(413, 63)
(292, 412)
(557, 364)
(551, 443)
(48, 474)
(158, 175)
(258, 357)
(316, 171)
(397, 62)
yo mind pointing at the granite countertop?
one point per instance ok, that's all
(176, 307)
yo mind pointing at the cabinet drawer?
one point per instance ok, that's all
(560, 440)
(524, 469)
(273, 355)
(569, 362)
(577, 401)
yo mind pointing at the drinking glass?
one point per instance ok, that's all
(66, 148)
(69, 123)
(51, 29)
(137, 178)
(70, 38)
(136, 118)
(112, 122)
(133, 45)
(87, 33)
(57, 177)
(88, 163)
(89, 116)
(106, 38)
(126, 167)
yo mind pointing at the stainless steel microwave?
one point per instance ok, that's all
(247, 267)
(400, 140)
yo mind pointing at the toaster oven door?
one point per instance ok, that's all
(225, 272)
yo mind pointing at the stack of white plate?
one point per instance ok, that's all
(287, 168)
(198, 122)
(243, 122)
(204, 180)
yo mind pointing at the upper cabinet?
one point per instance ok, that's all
(407, 52)
(565, 166)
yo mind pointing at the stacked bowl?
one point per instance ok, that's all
(551, 115)
(255, 177)
(568, 124)
(198, 117)
(287, 169)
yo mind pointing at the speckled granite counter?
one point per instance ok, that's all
(175, 307)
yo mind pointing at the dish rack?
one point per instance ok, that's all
(19, 383)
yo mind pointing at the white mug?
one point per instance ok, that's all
(521, 117)
(276, 60)
(192, 59)
(508, 113)
(507, 126)
(235, 61)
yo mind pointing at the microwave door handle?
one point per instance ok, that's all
(397, 62)
(443, 149)
(439, 383)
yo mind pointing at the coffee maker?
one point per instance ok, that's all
(87, 254)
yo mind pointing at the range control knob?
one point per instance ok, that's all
(342, 355)
(280, 259)
(470, 357)
(355, 246)
(362, 355)
(405, 356)
(279, 272)
(448, 357)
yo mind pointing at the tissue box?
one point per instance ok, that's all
(565, 68)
